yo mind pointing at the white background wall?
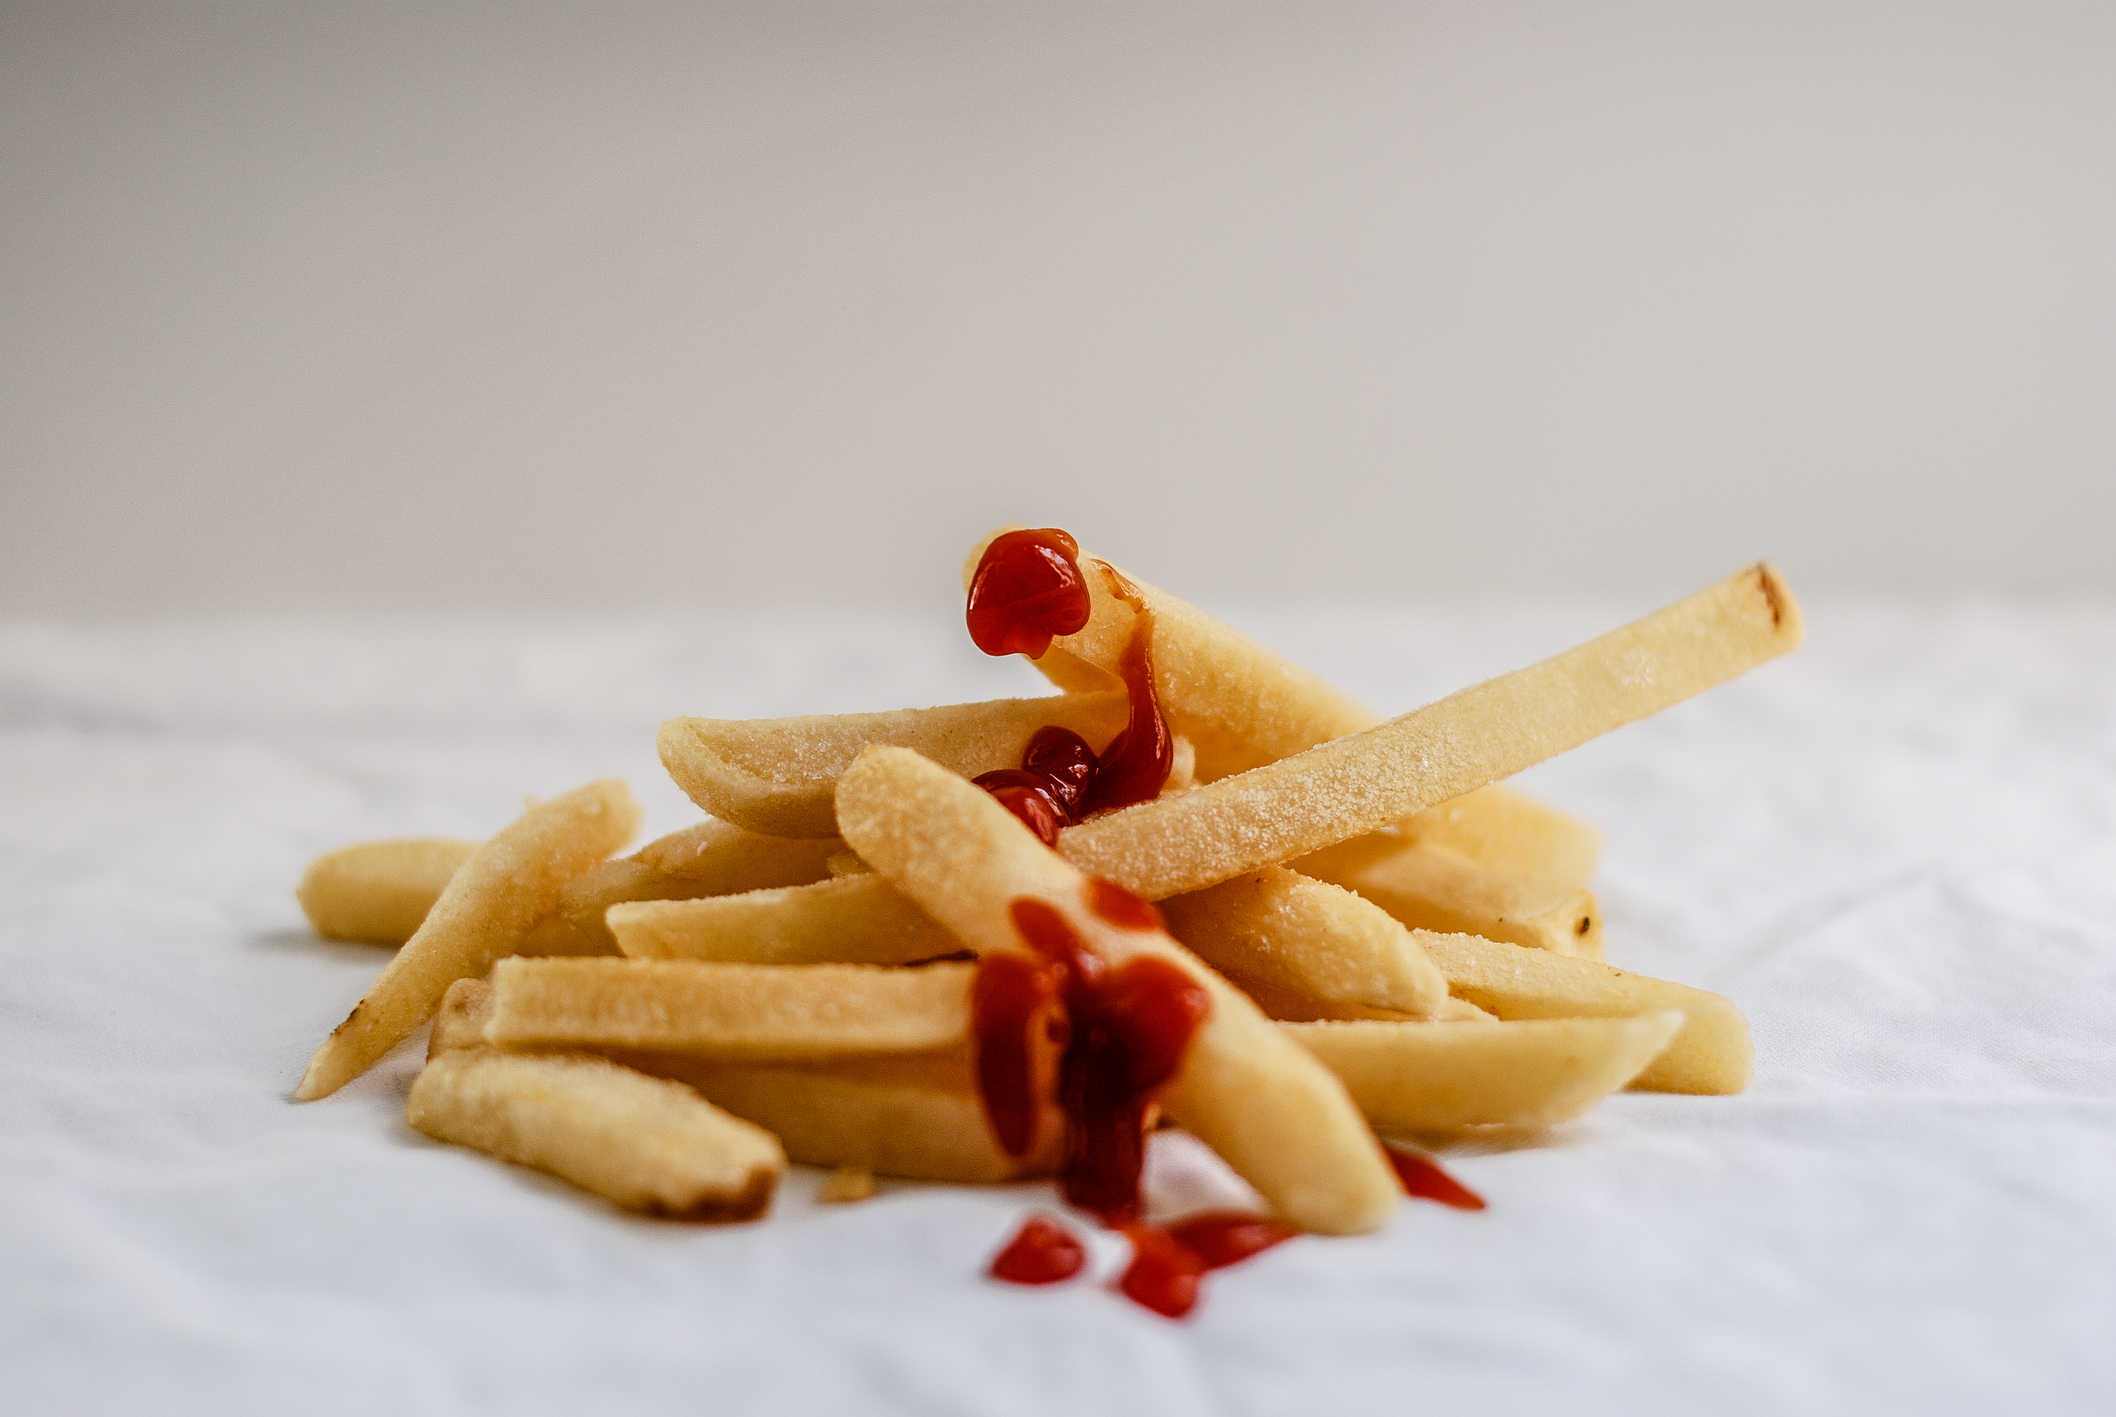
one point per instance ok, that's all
(373, 307)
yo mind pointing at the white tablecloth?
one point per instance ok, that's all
(1897, 851)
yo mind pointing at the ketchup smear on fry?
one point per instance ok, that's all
(1027, 590)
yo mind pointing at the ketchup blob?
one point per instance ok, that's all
(1169, 1262)
(1423, 1178)
(1120, 1033)
(1041, 1252)
(1027, 589)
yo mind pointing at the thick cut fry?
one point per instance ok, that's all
(760, 1013)
(1360, 783)
(1421, 1077)
(1711, 1053)
(491, 902)
(460, 1023)
(377, 892)
(1276, 1116)
(645, 1143)
(1430, 887)
(1511, 833)
(776, 775)
(917, 1116)
(925, 1124)
(858, 919)
(1240, 704)
(711, 858)
(1279, 930)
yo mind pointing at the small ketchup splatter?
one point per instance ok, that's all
(1169, 1262)
(1120, 1033)
(1028, 588)
(1041, 1252)
(1423, 1178)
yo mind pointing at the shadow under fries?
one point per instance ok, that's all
(293, 939)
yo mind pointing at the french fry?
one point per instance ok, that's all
(1241, 705)
(760, 1013)
(1275, 1115)
(377, 892)
(1421, 1077)
(915, 1116)
(846, 1185)
(1711, 1052)
(711, 858)
(460, 1021)
(1510, 832)
(1431, 887)
(645, 1143)
(926, 1124)
(776, 775)
(856, 919)
(1357, 784)
(489, 905)
(1278, 930)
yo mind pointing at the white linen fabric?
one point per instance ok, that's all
(1896, 851)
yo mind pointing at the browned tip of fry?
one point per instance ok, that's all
(1785, 611)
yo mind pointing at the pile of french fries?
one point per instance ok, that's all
(1390, 940)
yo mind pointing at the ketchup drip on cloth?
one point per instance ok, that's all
(1424, 1179)
(1169, 1262)
(1119, 1033)
(1028, 589)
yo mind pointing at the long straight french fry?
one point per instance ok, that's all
(760, 1013)
(925, 1123)
(859, 919)
(377, 892)
(647, 1144)
(1420, 1077)
(1239, 703)
(1509, 832)
(490, 904)
(1432, 887)
(711, 858)
(1277, 929)
(1244, 1089)
(916, 1116)
(1711, 1053)
(1354, 785)
(776, 775)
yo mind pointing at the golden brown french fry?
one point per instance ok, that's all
(926, 1123)
(1244, 1089)
(460, 1022)
(377, 892)
(1240, 704)
(1277, 929)
(846, 1185)
(711, 858)
(1357, 784)
(1420, 1077)
(917, 1115)
(1510, 832)
(753, 1012)
(1711, 1053)
(776, 775)
(857, 919)
(1431, 887)
(490, 904)
(647, 1144)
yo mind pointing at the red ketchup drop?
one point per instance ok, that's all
(1027, 589)
(1424, 1178)
(1120, 1034)
(1041, 1252)
(1168, 1263)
